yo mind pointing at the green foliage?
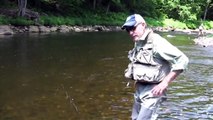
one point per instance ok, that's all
(153, 22)
(169, 23)
(186, 13)
(174, 23)
(51, 20)
(114, 18)
(192, 24)
(114, 12)
(58, 20)
(89, 19)
(3, 20)
(182, 10)
(20, 21)
(70, 2)
(208, 24)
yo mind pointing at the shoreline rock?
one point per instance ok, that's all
(6, 30)
(9, 30)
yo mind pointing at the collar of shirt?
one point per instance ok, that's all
(141, 41)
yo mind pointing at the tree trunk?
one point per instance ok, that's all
(108, 6)
(22, 7)
(94, 4)
(99, 3)
(205, 13)
(206, 9)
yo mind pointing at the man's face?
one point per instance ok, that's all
(136, 32)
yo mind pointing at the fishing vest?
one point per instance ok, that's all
(145, 66)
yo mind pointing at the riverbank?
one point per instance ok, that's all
(6, 30)
(10, 30)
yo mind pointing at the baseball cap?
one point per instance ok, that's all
(133, 20)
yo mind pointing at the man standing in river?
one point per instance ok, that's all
(154, 63)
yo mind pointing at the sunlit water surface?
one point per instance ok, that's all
(79, 76)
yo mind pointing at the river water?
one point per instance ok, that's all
(79, 76)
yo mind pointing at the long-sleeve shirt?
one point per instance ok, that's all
(164, 50)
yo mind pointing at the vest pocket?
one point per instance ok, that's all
(146, 73)
(145, 57)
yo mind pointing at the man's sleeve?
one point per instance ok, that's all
(177, 59)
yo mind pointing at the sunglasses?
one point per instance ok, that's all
(130, 28)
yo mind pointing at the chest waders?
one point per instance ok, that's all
(145, 67)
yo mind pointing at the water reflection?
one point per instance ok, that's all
(192, 92)
(76, 76)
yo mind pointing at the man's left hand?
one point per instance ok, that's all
(159, 89)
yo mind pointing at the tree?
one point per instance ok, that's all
(22, 4)
(110, 2)
(206, 9)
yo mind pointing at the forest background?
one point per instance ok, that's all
(183, 14)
